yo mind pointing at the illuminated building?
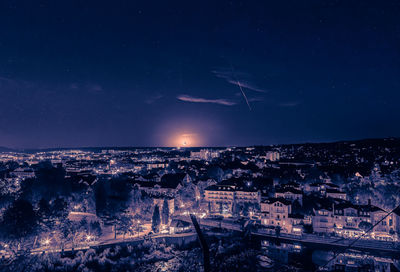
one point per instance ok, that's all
(323, 220)
(349, 217)
(335, 193)
(272, 156)
(290, 193)
(222, 198)
(204, 154)
(275, 212)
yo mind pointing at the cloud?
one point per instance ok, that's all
(89, 87)
(154, 98)
(95, 88)
(237, 78)
(188, 98)
(256, 99)
(246, 85)
(290, 104)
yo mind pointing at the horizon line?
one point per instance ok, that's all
(11, 149)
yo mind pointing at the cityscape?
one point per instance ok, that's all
(261, 207)
(199, 136)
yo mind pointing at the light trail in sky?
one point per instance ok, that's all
(244, 95)
(240, 87)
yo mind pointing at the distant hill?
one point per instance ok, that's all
(382, 142)
(7, 149)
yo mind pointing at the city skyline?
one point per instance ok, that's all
(199, 136)
(231, 73)
(311, 207)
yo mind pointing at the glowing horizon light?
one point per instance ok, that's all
(185, 140)
(186, 132)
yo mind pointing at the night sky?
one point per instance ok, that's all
(146, 73)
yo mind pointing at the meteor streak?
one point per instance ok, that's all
(240, 87)
(244, 95)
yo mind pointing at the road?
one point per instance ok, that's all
(108, 243)
(108, 239)
(362, 244)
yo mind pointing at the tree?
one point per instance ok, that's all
(100, 196)
(165, 212)
(125, 224)
(19, 220)
(136, 194)
(44, 209)
(83, 224)
(89, 201)
(235, 208)
(50, 181)
(95, 228)
(245, 210)
(155, 222)
(365, 226)
(278, 231)
(308, 229)
(59, 208)
(66, 231)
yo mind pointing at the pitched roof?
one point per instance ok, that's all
(219, 187)
(272, 200)
(334, 191)
(179, 223)
(363, 208)
(296, 216)
(289, 190)
(172, 181)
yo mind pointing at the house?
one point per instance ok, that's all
(322, 219)
(247, 194)
(220, 198)
(175, 179)
(320, 187)
(168, 185)
(179, 226)
(300, 219)
(396, 214)
(350, 218)
(151, 166)
(23, 173)
(275, 212)
(156, 188)
(335, 193)
(223, 197)
(292, 184)
(290, 193)
(151, 177)
(313, 187)
(79, 216)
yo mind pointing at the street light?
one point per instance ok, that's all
(46, 242)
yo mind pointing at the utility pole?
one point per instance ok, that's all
(203, 244)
